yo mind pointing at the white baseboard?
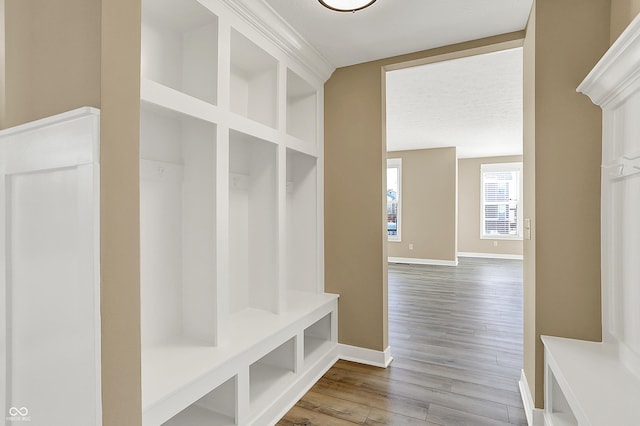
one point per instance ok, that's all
(491, 255)
(416, 261)
(365, 356)
(535, 416)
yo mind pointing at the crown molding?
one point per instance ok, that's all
(617, 74)
(261, 17)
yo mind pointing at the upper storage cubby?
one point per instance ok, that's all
(301, 108)
(254, 81)
(177, 228)
(302, 222)
(253, 222)
(180, 47)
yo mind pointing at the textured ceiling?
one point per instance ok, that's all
(473, 103)
(393, 27)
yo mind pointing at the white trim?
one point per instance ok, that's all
(617, 74)
(505, 45)
(416, 261)
(535, 416)
(365, 355)
(490, 255)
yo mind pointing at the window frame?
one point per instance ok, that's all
(501, 167)
(395, 163)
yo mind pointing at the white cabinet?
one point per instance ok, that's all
(598, 383)
(235, 321)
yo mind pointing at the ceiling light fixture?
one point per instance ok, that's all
(346, 5)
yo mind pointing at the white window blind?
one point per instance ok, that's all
(501, 211)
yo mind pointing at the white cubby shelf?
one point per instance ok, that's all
(302, 222)
(302, 107)
(235, 323)
(180, 47)
(253, 224)
(176, 376)
(177, 218)
(317, 338)
(254, 81)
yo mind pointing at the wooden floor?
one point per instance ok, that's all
(456, 339)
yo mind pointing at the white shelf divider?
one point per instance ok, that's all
(154, 93)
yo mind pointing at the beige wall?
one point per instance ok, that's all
(428, 216)
(562, 144)
(120, 214)
(469, 240)
(622, 13)
(569, 39)
(52, 57)
(355, 212)
(71, 53)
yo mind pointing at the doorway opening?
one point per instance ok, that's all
(455, 224)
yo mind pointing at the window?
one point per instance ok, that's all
(394, 183)
(501, 209)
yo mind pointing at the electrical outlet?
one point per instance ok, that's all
(495, 244)
(410, 246)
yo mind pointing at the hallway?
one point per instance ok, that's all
(456, 338)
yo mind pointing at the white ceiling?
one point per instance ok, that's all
(473, 103)
(393, 27)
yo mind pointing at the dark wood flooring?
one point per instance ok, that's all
(456, 339)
